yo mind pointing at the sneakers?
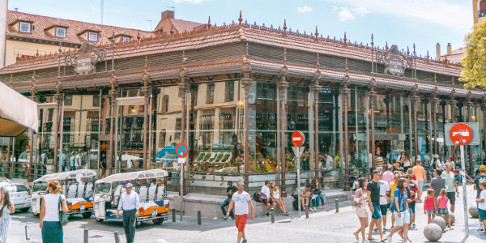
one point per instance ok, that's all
(481, 230)
(389, 239)
(414, 226)
(285, 214)
(225, 218)
(267, 214)
(244, 241)
(315, 208)
(310, 209)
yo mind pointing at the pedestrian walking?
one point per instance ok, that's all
(388, 175)
(450, 185)
(437, 183)
(103, 165)
(393, 187)
(49, 214)
(362, 200)
(481, 177)
(419, 172)
(481, 200)
(241, 201)
(129, 204)
(7, 208)
(384, 200)
(229, 192)
(430, 205)
(400, 209)
(373, 190)
(442, 205)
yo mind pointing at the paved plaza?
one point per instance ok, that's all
(322, 226)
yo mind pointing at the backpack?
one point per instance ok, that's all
(257, 197)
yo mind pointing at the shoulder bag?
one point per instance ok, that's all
(63, 218)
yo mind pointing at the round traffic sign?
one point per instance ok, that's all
(461, 134)
(298, 138)
(181, 150)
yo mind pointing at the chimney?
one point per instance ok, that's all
(449, 49)
(168, 14)
(437, 50)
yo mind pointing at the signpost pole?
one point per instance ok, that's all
(298, 181)
(182, 192)
(464, 191)
(181, 151)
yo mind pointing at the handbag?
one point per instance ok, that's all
(63, 218)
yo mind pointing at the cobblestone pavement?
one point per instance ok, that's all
(322, 226)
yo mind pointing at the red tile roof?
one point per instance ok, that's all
(74, 28)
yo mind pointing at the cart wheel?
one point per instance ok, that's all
(99, 220)
(158, 221)
(87, 215)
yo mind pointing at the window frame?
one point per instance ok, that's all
(92, 33)
(125, 38)
(59, 28)
(27, 23)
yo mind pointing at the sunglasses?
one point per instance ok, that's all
(241, 185)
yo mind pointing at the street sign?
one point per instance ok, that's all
(298, 138)
(460, 134)
(181, 160)
(298, 151)
(181, 150)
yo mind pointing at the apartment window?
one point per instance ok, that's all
(229, 91)
(125, 38)
(60, 32)
(210, 94)
(92, 36)
(165, 104)
(69, 100)
(96, 100)
(24, 27)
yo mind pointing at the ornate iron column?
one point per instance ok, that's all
(33, 92)
(346, 91)
(246, 82)
(433, 105)
(112, 93)
(452, 103)
(469, 105)
(283, 86)
(415, 100)
(372, 95)
(146, 92)
(183, 89)
(316, 88)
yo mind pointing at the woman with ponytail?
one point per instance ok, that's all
(49, 214)
(6, 208)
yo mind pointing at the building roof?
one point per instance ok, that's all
(41, 25)
(182, 26)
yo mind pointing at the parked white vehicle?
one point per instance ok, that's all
(19, 195)
(77, 187)
(153, 198)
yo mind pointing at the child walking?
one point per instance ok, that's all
(442, 202)
(482, 203)
(430, 206)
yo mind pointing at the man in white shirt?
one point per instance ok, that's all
(267, 199)
(384, 195)
(130, 205)
(329, 161)
(241, 201)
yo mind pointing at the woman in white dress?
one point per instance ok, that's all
(276, 196)
(6, 208)
(362, 207)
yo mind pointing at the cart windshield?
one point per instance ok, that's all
(103, 188)
(39, 186)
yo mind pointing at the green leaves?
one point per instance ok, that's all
(474, 71)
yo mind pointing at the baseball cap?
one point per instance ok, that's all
(230, 183)
(129, 185)
(482, 168)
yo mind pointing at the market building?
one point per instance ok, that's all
(235, 93)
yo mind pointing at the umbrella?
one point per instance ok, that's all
(17, 113)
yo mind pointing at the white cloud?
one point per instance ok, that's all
(188, 1)
(304, 9)
(345, 14)
(455, 15)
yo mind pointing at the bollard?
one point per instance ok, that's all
(307, 211)
(85, 235)
(337, 205)
(173, 216)
(27, 235)
(198, 217)
(117, 237)
(273, 215)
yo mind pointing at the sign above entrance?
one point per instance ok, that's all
(181, 150)
(298, 138)
(85, 58)
(466, 133)
(395, 62)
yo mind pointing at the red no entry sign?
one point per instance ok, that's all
(181, 150)
(461, 134)
(298, 138)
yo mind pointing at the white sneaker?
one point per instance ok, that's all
(310, 209)
(315, 208)
(389, 239)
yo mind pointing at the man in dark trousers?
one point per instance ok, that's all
(130, 205)
(229, 192)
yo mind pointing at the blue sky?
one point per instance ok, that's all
(402, 22)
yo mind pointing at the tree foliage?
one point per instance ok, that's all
(474, 71)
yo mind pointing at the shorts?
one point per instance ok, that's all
(383, 209)
(482, 214)
(431, 212)
(452, 197)
(240, 221)
(362, 213)
(411, 206)
(267, 200)
(420, 184)
(405, 219)
(444, 211)
(376, 213)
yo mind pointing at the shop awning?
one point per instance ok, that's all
(167, 151)
(17, 113)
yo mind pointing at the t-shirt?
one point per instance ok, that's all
(388, 176)
(482, 205)
(266, 191)
(477, 180)
(412, 190)
(384, 189)
(402, 200)
(437, 184)
(419, 172)
(393, 187)
(232, 190)
(374, 188)
(429, 203)
(442, 201)
(241, 202)
(449, 181)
